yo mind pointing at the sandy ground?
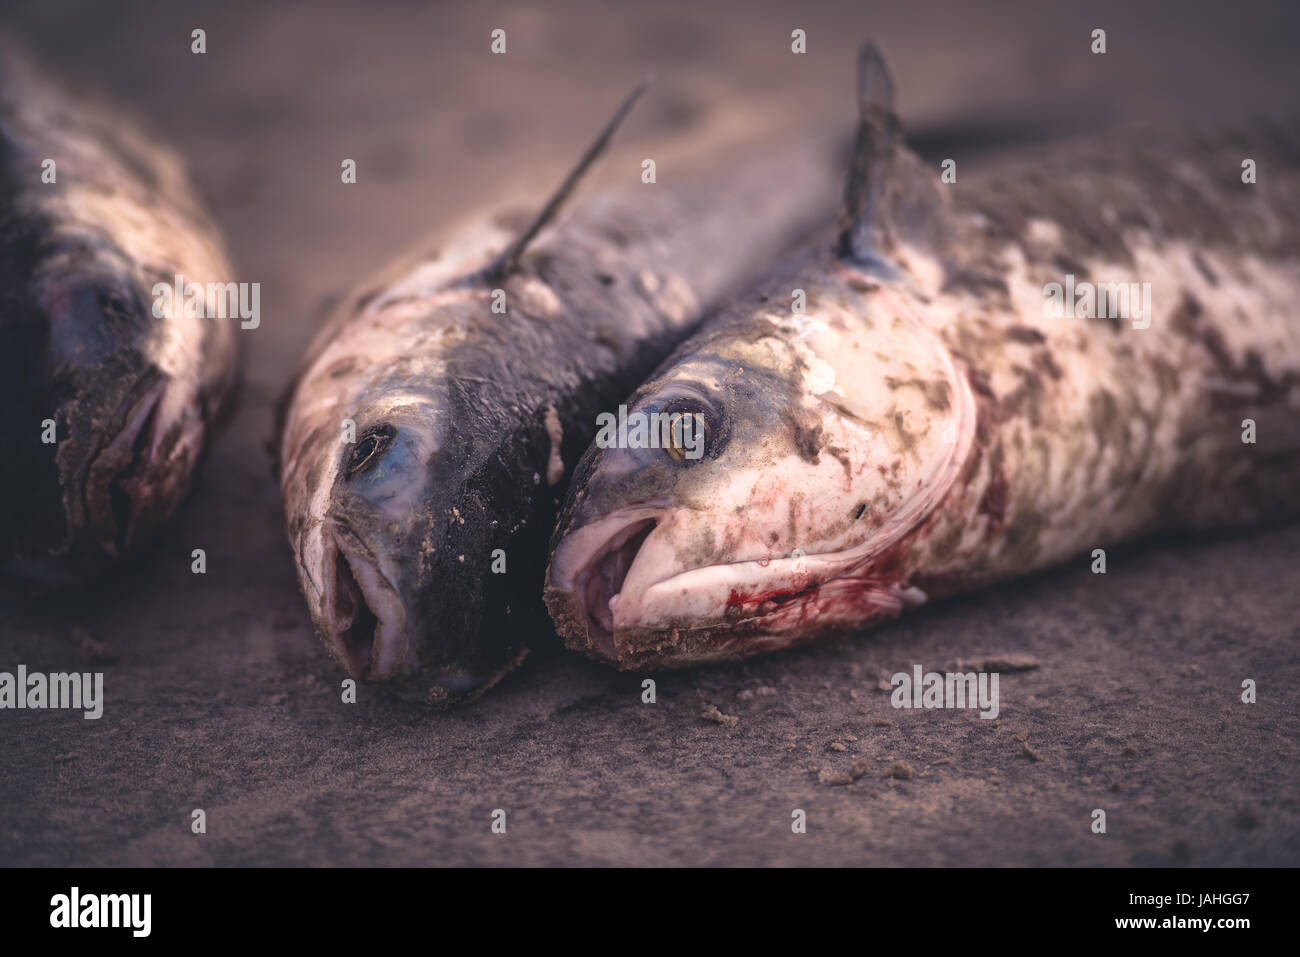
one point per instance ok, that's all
(1125, 696)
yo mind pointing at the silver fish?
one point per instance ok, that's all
(94, 214)
(929, 423)
(428, 440)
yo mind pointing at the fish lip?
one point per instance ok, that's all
(745, 599)
(119, 477)
(355, 587)
(792, 582)
(572, 585)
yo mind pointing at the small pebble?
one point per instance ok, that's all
(711, 713)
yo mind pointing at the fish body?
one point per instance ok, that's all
(429, 438)
(929, 423)
(108, 401)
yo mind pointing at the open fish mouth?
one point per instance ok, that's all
(612, 585)
(364, 619)
(600, 578)
(122, 501)
(137, 478)
(617, 590)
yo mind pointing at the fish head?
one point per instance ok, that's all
(397, 571)
(829, 438)
(108, 392)
(364, 558)
(116, 394)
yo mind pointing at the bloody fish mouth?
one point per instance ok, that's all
(120, 488)
(602, 580)
(618, 590)
(365, 622)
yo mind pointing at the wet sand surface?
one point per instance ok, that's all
(1118, 692)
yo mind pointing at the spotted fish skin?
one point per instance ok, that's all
(467, 422)
(925, 427)
(133, 396)
(1090, 431)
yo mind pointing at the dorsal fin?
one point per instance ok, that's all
(879, 136)
(508, 260)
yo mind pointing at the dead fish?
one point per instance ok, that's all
(929, 423)
(108, 400)
(428, 440)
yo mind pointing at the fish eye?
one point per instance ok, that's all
(369, 448)
(690, 430)
(116, 305)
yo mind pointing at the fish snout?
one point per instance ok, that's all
(588, 574)
(362, 615)
(124, 504)
(139, 477)
(386, 617)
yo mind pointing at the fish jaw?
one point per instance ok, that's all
(588, 569)
(380, 605)
(120, 486)
(357, 545)
(170, 444)
(385, 554)
(617, 595)
(122, 473)
(734, 568)
(361, 615)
